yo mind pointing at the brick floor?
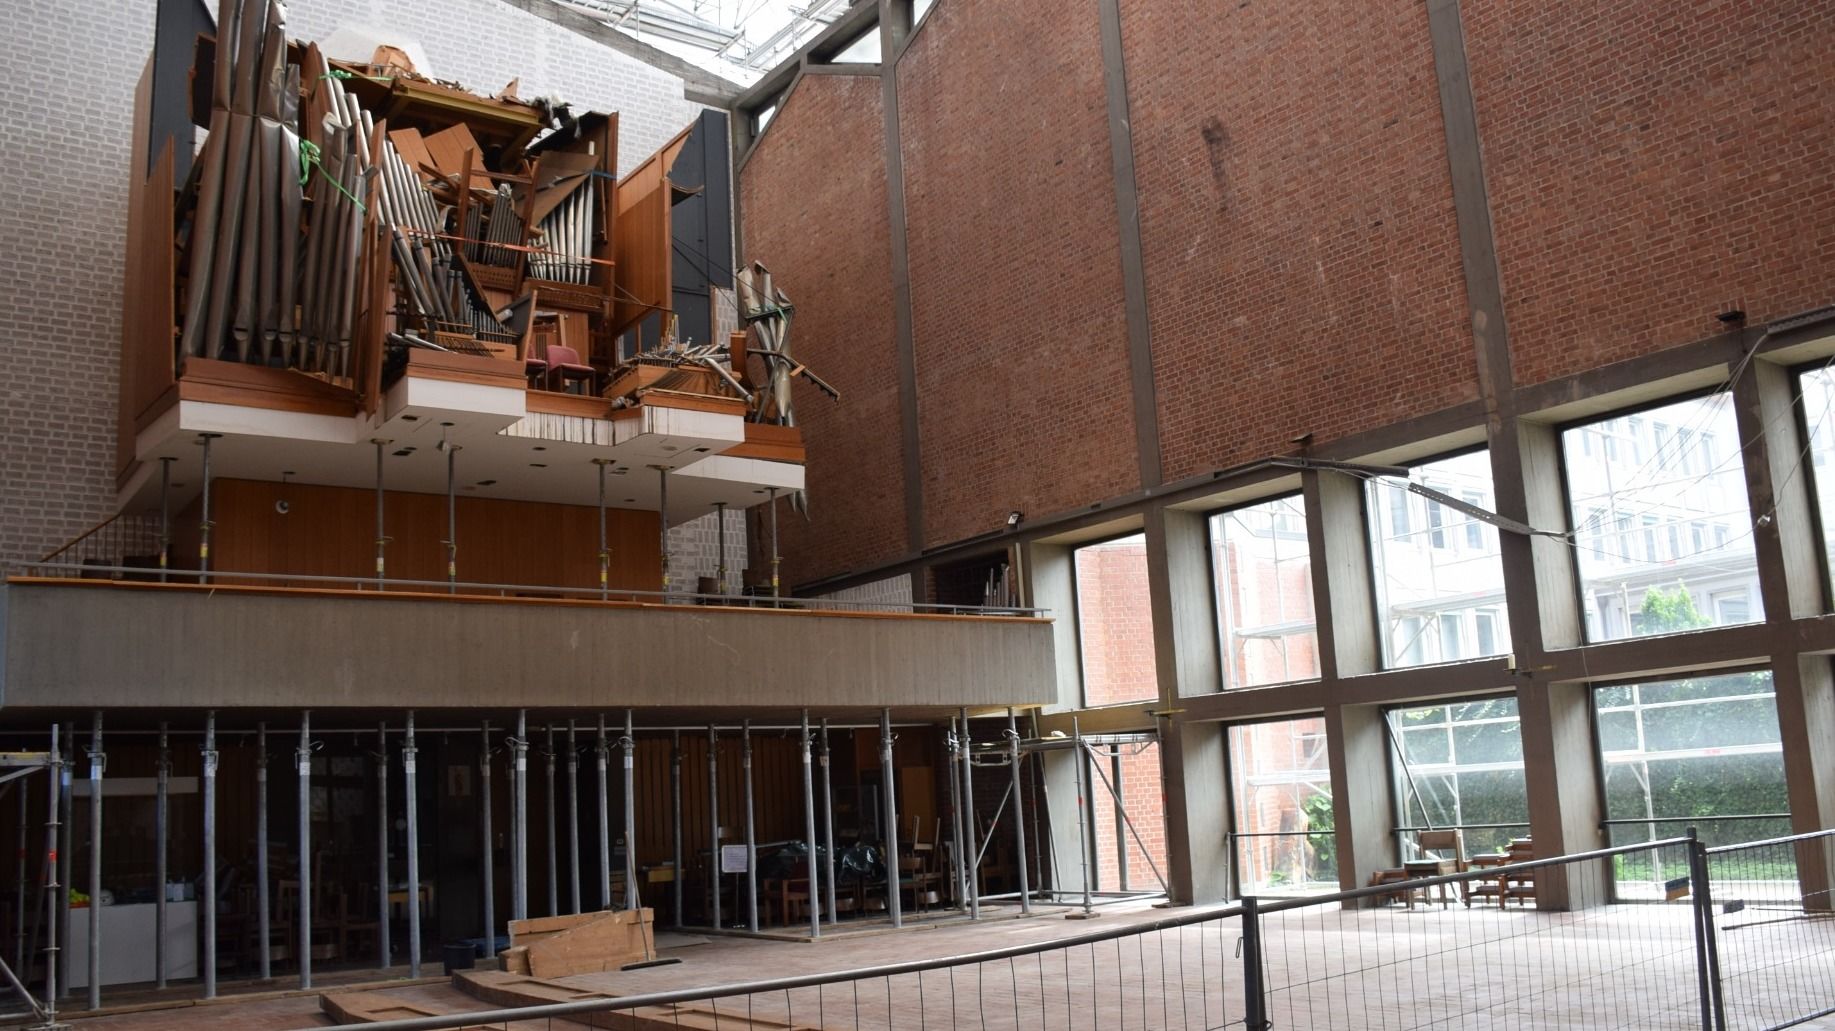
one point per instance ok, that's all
(1621, 966)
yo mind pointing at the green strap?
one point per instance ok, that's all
(309, 159)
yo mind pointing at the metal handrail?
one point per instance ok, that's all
(1786, 840)
(583, 593)
(1632, 821)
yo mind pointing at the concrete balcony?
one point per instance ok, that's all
(74, 645)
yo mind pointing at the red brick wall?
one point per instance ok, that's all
(813, 200)
(1301, 255)
(1015, 269)
(1115, 623)
(1651, 164)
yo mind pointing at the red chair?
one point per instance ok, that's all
(564, 367)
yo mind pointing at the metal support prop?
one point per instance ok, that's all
(1081, 756)
(751, 835)
(958, 861)
(894, 905)
(19, 890)
(554, 852)
(675, 822)
(382, 544)
(1255, 1003)
(452, 524)
(519, 815)
(573, 817)
(53, 888)
(713, 818)
(165, 543)
(1121, 819)
(204, 523)
(662, 522)
(776, 559)
(97, 761)
(411, 801)
(973, 855)
(828, 831)
(489, 855)
(1014, 758)
(66, 823)
(208, 903)
(630, 812)
(382, 846)
(262, 928)
(720, 543)
(605, 556)
(603, 750)
(303, 757)
(809, 835)
(162, 787)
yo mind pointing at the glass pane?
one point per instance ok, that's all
(1818, 390)
(1115, 622)
(1701, 752)
(1263, 578)
(865, 50)
(1281, 782)
(1665, 541)
(1471, 778)
(1439, 576)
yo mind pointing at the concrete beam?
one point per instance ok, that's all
(154, 646)
(1363, 809)
(1340, 541)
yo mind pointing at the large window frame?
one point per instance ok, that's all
(1221, 606)
(1639, 530)
(1492, 618)
(1310, 836)
(1480, 836)
(1077, 613)
(1818, 525)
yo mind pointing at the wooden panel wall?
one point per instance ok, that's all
(642, 237)
(331, 531)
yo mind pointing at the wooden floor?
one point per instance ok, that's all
(1627, 966)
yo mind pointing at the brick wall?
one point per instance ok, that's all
(1143, 799)
(1297, 223)
(1115, 623)
(68, 130)
(1650, 165)
(813, 201)
(1023, 398)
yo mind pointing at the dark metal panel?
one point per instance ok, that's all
(700, 226)
(176, 27)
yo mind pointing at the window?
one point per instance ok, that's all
(1460, 766)
(864, 49)
(1115, 621)
(919, 8)
(1281, 790)
(1702, 751)
(1424, 587)
(1653, 577)
(1262, 572)
(1131, 770)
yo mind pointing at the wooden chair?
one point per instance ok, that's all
(1519, 885)
(359, 924)
(1431, 864)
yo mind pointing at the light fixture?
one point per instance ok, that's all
(1014, 517)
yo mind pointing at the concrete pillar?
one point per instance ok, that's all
(1339, 540)
(1559, 616)
(1806, 718)
(1564, 790)
(1362, 814)
(1051, 583)
(1187, 662)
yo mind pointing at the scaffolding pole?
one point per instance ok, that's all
(751, 835)
(713, 818)
(303, 756)
(1014, 757)
(958, 863)
(519, 821)
(675, 822)
(809, 835)
(554, 851)
(97, 761)
(573, 818)
(828, 832)
(161, 799)
(382, 846)
(52, 888)
(19, 890)
(489, 856)
(208, 904)
(1121, 820)
(973, 854)
(603, 750)
(1083, 849)
(66, 822)
(630, 812)
(894, 905)
(411, 801)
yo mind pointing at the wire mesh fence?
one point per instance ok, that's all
(1774, 930)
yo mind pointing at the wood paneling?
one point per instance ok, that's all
(282, 390)
(642, 237)
(331, 531)
(149, 316)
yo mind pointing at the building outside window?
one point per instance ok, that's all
(1460, 766)
(1263, 578)
(1130, 853)
(1681, 557)
(1701, 751)
(1817, 387)
(1115, 621)
(1281, 789)
(1439, 574)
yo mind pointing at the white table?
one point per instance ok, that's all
(127, 943)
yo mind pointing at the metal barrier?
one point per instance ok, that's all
(1774, 930)
(1556, 948)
